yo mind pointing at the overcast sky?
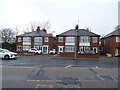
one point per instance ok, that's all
(101, 16)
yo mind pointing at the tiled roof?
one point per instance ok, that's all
(114, 33)
(36, 33)
(80, 32)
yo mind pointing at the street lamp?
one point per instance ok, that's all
(76, 28)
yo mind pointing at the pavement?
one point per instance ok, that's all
(48, 71)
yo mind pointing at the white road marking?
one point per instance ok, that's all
(42, 80)
(114, 79)
(36, 66)
(16, 67)
(37, 85)
(43, 85)
(68, 66)
(99, 77)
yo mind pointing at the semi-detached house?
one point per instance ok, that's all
(36, 39)
(111, 43)
(84, 41)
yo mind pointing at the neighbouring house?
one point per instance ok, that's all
(36, 39)
(82, 41)
(110, 44)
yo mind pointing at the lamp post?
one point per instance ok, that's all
(76, 28)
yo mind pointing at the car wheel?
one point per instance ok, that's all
(37, 53)
(6, 57)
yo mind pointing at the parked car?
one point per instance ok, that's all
(52, 51)
(34, 50)
(6, 54)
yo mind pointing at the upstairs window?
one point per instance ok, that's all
(46, 39)
(70, 39)
(84, 39)
(26, 39)
(19, 39)
(94, 39)
(117, 38)
(60, 39)
(38, 39)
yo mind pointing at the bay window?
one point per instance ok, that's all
(69, 48)
(70, 39)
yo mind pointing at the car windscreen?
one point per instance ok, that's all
(6, 51)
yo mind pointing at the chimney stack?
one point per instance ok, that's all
(44, 30)
(38, 28)
(77, 27)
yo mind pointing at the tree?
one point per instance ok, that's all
(43, 25)
(7, 35)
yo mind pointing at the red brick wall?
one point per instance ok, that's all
(110, 44)
(71, 54)
(18, 43)
(94, 44)
(50, 42)
(32, 42)
(60, 43)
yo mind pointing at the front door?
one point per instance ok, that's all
(60, 49)
(116, 51)
(45, 50)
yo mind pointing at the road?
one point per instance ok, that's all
(48, 71)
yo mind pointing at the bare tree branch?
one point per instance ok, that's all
(7, 35)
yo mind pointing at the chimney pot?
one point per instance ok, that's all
(38, 28)
(44, 30)
(76, 27)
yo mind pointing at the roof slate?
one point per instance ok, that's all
(80, 32)
(114, 33)
(36, 33)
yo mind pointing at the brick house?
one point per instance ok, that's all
(87, 43)
(111, 43)
(36, 39)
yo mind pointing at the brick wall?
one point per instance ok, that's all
(71, 54)
(109, 45)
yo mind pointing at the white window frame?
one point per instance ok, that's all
(26, 47)
(46, 39)
(19, 39)
(37, 39)
(117, 38)
(84, 39)
(94, 39)
(69, 48)
(26, 39)
(70, 39)
(60, 39)
(82, 49)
